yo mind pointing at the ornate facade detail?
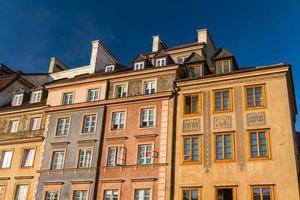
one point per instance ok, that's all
(207, 133)
(222, 122)
(189, 125)
(257, 118)
(165, 83)
(135, 88)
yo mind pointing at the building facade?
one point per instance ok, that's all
(235, 133)
(22, 125)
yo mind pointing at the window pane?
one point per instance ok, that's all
(219, 68)
(51, 195)
(187, 148)
(218, 96)
(266, 194)
(195, 104)
(258, 96)
(186, 195)
(226, 66)
(21, 192)
(250, 97)
(195, 149)
(187, 109)
(256, 194)
(226, 100)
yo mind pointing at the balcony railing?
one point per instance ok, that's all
(21, 135)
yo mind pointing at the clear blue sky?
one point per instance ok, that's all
(258, 32)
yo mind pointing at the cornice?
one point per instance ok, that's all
(22, 140)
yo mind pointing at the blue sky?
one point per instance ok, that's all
(258, 32)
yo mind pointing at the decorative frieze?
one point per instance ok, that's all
(191, 125)
(222, 122)
(257, 118)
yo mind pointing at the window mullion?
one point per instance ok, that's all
(257, 143)
(223, 147)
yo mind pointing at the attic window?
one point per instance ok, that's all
(109, 68)
(160, 62)
(36, 96)
(139, 66)
(181, 59)
(223, 66)
(17, 99)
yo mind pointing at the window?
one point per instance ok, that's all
(121, 91)
(149, 87)
(262, 192)
(2, 191)
(68, 98)
(226, 193)
(139, 66)
(116, 156)
(191, 194)
(142, 194)
(36, 96)
(180, 60)
(118, 120)
(223, 67)
(224, 146)
(191, 148)
(191, 104)
(195, 71)
(147, 117)
(255, 96)
(222, 100)
(80, 195)
(111, 195)
(93, 95)
(58, 160)
(145, 154)
(89, 124)
(63, 126)
(6, 157)
(17, 99)
(51, 195)
(160, 62)
(85, 158)
(13, 126)
(35, 123)
(28, 157)
(259, 144)
(109, 68)
(21, 192)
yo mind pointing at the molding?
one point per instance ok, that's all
(59, 143)
(23, 177)
(139, 136)
(86, 141)
(82, 182)
(146, 179)
(4, 178)
(116, 138)
(20, 141)
(54, 183)
(112, 180)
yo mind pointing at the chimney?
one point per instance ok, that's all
(202, 35)
(157, 43)
(94, 55)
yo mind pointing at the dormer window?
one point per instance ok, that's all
(160, 62)
(181, 59)
(139, 66)
(109, 68)
(195, 71)
(36, 96)
(223, 66)
(17, 99)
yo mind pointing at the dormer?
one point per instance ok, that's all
(109, 68)
(223, 61)
(196, 66)
(18, 97)
(162, 58)
(36, 94)
(141, 62)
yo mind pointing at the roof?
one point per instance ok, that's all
(140, 57)
(221, 53)
(6, 81)
(161, 53)
(193, 58)
(26, 105)
(4, 70)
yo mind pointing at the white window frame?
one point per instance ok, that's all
(161, 62)
(118, 119)
(147, 119)
(89, 123)
(64, 128)
(2, 191)
(110, 68)
(83, 195)
(52, 195)
(116, 156)
(21, 192)
(124, 90)
(36, 96)
(85, 157)
(139, 65)
(6, 159)
(17, 99)
(13, 126)
(68, 98)
(28, 159)
(35, 123)
(142, 195)
(181, 59)
(148, 86)
(60, 161)
(111, 194)
(93, 94)
(144, 154)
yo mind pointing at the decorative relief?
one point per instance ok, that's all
(165, 83)
(191, 125)
(135, 88)
(222, 122)
(111, 91)
(254, 119)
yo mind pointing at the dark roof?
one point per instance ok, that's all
(25, 105)
(160, 54)
(183, 46)
(140, 57)
(4, 70)
(194, 58)
(221, 53)
(6, 81)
